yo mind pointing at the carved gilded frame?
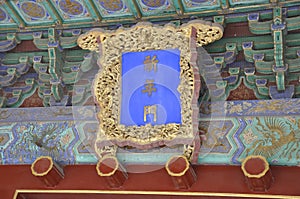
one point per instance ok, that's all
(107, 83)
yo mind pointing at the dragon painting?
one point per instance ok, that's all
(276, 137)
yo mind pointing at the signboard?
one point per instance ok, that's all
(149, 87)
(148, 84)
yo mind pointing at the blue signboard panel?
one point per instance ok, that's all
(149, 87)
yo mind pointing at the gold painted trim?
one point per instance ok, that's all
(283, 3)
(36, 28)
(107, 174)
(138, 10)
(251, 6)
(158, 17)
(165, 193)
(105, 22)
(221, 11)
(177, 174)
(44, 173)
(5, 28)
(257, 175)
(181, 9)
(191, 13)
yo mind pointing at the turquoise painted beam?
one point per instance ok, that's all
(40, 43)
(293, 23)
(19, 94)
(10, 77)
(13, 71)
(279, 67)
(261, 66)
(69, 41)
(260, 43)
(291, 52)
(81, 93)
(249, 52)
(293, 65)
(10, 42)
(41, 69)
(257, 27)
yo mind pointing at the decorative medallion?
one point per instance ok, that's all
(150, 7)
(112, 5)
(33, 9)
(154, 3)
(71, 7)
(149, 84)
(3, 15)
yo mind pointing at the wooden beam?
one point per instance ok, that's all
(217, 181)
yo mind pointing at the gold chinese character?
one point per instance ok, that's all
(149, 87)
(151, 109)
(150, 63)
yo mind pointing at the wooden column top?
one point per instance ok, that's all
(255, 166)
(177, 165)
(107, 166)
(41, 166)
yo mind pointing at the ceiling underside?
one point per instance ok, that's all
(26, 15)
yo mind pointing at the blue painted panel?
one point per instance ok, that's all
(149, 87)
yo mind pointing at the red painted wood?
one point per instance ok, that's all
(109, 196)
(47, 171)
(237, 30)
(42, 165)
(25, 46)
(228, 179)
(255, 166)
(257, 173)
(181, 172)
(112, 171)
